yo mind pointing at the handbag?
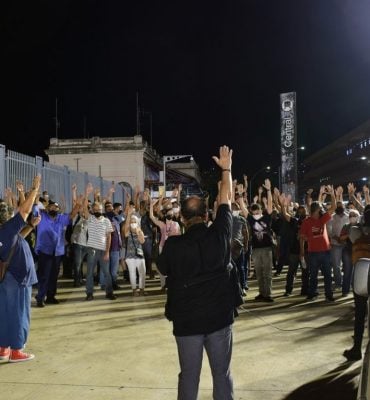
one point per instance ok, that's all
(138, 250)
(4, 264)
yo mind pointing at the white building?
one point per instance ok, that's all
(120, 159)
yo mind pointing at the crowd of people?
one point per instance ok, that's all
(267, 233)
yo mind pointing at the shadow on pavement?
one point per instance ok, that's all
(338, 384)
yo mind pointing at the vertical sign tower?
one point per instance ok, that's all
(288, 130)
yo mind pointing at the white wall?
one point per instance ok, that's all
(126, 166)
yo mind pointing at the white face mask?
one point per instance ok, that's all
(257, 216)
(133, 225)
(236, 213)
(352, 220)
(176, 210)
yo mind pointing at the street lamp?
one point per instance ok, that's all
(250, 182)
(169, 159)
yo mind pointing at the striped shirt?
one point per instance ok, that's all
(97, 230)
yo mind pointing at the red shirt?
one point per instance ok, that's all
(314, 231)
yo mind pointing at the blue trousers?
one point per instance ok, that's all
(113, 268)
(319, 261)
(218, 346)
(47, 274)
(15, 310)
(95, 256)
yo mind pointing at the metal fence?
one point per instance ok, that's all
(57, 180)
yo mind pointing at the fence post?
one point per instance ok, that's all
(2, 170)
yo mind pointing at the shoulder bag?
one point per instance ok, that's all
(4, 264)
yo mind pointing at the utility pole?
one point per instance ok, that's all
(56, 118)
(137, 114)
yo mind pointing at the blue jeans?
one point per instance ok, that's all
(336, 261)
(93, 257)
(15, 310)
(319, 261)
(79, 252)
(239, 262)
(113, 267)
(218, 346)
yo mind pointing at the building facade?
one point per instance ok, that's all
(345, 160)
(128, 160)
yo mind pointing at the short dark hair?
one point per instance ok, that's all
(116, 205)
(193, 206)
(255, 207)
(315, 205)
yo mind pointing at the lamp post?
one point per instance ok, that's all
(169, 159)
(251, 181)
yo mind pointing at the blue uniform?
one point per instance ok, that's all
(16, 288)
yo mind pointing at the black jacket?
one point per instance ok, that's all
(201, 295)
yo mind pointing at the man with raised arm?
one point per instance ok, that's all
(313, 231)
(202, 297)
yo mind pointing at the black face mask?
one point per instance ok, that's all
(120, 212)
(97, 214)
(110, 214)
(53, 213)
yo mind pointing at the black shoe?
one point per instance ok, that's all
(330, 298)
(287, 294)
(268, 299)
(110, 296)
(51, 300)
(311, 297)
(353, 354)
(89, 297)
(277, 274)
(259, 297)
(40, 304)
(116, 287)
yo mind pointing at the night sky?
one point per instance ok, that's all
(210, 73)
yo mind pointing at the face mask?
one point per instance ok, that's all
(110, 214)
(236, 213)
(339, 210)
(257, 216)
(352, 220)
(97, 214)
(120, 212)
(53, 213)
(176, 210)
(133, 225)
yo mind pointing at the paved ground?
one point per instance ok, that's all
(124, 349)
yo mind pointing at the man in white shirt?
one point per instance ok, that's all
(99, 230)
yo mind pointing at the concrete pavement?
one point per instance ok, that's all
(124, 349)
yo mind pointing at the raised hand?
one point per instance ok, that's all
(267, 184)
(36, 183)
(224, 160)
(19, 186)
(351, 188)
(89, 189)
